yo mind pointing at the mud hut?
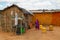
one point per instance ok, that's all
(12, 15)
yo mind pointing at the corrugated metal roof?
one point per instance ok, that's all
(45, 11)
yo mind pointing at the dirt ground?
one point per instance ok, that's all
(33, 34)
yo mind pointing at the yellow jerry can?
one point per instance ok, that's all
(44, 29)
(50, 28)
(40, 27)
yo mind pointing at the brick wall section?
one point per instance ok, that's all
(47, 18)
(43, 18)
(56, 18)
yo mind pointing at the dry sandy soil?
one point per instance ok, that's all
(33, 34)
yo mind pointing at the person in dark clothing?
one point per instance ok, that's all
(37, 24)
(18, 28)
